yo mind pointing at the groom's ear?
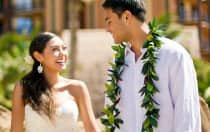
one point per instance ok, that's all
(126, 17)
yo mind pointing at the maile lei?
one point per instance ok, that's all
(152, 45)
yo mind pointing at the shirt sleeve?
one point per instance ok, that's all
(184, 93)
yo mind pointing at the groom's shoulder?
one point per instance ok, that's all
(172, 49)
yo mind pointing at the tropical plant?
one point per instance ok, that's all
(170, 30)
(203, 75)
(13, 50)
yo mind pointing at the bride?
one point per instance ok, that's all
(44, 101)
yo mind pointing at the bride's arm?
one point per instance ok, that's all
(17, 110)
(85, 108)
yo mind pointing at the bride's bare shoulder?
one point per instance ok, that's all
(72, 83)
(76, 87)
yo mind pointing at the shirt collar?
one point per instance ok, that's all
(128, 50)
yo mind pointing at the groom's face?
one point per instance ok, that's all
(116, 26)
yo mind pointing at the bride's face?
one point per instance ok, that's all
(55, 55)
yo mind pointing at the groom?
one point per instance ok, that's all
(178, 101)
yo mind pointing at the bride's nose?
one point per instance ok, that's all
(63, 52)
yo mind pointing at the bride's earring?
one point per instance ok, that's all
(40, 69)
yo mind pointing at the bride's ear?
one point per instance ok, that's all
(38, 56)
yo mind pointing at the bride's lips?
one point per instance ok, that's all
(61, 63)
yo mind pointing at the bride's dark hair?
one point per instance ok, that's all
(36, 89)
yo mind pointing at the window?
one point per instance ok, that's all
(188, 11)
(23, 4)
(23, 25)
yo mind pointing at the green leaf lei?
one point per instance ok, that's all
(113, 90)
(152, 44)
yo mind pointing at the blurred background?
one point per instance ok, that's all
(80, 23)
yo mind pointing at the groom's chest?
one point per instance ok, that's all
(131, 79)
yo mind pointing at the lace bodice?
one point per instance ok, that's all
(65, 121)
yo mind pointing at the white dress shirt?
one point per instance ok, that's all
(178, 96)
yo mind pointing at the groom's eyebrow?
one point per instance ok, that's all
(106, 19)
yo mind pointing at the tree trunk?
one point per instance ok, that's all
(73, 23)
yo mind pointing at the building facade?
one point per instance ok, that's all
(54, 15)
(20, 15)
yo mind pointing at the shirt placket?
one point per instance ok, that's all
(138, 98)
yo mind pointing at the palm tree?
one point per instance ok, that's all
(73, 25)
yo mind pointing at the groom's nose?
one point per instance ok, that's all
(108, 29)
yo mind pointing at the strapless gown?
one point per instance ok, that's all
(66, 119)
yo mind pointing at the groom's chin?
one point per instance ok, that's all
(117, 42)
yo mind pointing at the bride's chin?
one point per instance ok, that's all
(61, 68)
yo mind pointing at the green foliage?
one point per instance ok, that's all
(111, 120)
(170, 31)
(152, 45)
(203, 75)
(13, 49)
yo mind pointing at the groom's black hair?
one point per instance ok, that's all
(136, 7)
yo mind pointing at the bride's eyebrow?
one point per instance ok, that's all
(54, 46)
(57, 46)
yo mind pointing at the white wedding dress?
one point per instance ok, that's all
(66, 118)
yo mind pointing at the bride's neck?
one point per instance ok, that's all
(52, 78)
